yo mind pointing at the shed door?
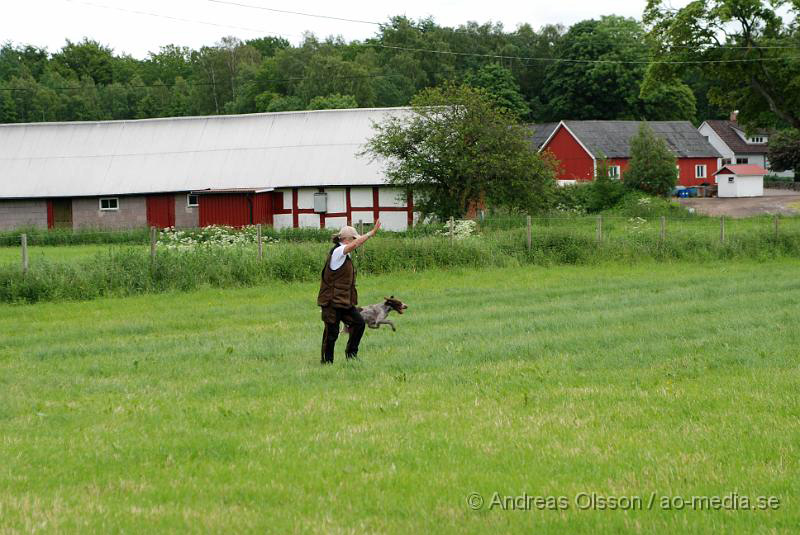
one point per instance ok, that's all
(161, 211)
(62, 213)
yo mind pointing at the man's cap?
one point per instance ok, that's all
(348, 232)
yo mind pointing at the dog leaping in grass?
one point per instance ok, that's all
(378, 314)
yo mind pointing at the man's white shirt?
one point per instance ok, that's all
(338, 257)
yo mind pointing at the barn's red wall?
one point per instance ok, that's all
(51, 220)
(575, 162)
(236, 209)
(224, 209)
(161, 210)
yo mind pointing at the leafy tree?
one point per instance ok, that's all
(268, 46)
(580, 88)
(499, 83)
(747, 48)
(667, 102)
(285, 104)
(457, 150)
(87, 58)
(8, 110)
(333, 102)
(784, 152)
(604, 191)
(652, 165)
(329, 74)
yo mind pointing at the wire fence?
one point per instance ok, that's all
(25, 247)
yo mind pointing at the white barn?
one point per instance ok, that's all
(740, 181)
(194, 171)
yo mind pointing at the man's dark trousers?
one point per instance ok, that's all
(352, 318)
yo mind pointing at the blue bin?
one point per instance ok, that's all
(683, 193)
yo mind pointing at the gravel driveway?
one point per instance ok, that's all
(774, 201)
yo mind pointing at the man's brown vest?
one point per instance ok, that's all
(338, 287)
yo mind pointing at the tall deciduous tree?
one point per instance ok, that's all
(652, 165)
(457, 149)
(745, 47)
(499, 83)
(784, 152)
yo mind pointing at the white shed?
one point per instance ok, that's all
(740, 181)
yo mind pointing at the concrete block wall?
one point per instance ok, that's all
(24, 213)
(185, 216)
(132, 213)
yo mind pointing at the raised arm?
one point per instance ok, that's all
(358, 242)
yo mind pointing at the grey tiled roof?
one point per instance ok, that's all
(612, 138)
(726, 130)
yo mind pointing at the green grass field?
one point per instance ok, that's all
(209, 411)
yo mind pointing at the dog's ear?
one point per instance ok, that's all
(391, 296)
(385, 298)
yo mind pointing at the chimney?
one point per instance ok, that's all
(734, 115)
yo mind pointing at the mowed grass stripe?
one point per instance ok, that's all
(208, 411)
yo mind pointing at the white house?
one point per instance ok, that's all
(740, 181)
(735, 146)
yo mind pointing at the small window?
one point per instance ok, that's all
(700, 171)
(742, 160)
(730, 180)
(726, 161)
(192, 201)
(613, 171)
(757, 139)
(109, 204)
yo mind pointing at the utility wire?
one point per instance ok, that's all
(250, 6)
(180, 19)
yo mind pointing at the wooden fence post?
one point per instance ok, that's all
(663, 228)
(528, 218)
(24, 254)
(722, 229)
(260, 242)
(360, 227)
(599, 228)
(153, 241)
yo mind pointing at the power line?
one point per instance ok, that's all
(250, 6)
(453, 53)
(180, 19)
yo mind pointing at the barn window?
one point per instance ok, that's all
(726, 161)
(700, 171)
(742, 160)
(730, 180)
(192, 201)
(613, 171)
(108, 204)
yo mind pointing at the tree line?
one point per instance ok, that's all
(87, 81)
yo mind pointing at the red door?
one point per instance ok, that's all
(161, 211)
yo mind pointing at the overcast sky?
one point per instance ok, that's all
(48, 23)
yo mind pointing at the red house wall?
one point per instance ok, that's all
(575, 162)
(686, 177)
(685, 165)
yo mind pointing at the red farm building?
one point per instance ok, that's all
(578, 145)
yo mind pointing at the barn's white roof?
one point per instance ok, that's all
(262, 150)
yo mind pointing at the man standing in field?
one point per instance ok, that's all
(338, 296)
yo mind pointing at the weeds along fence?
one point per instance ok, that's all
(33, 273)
